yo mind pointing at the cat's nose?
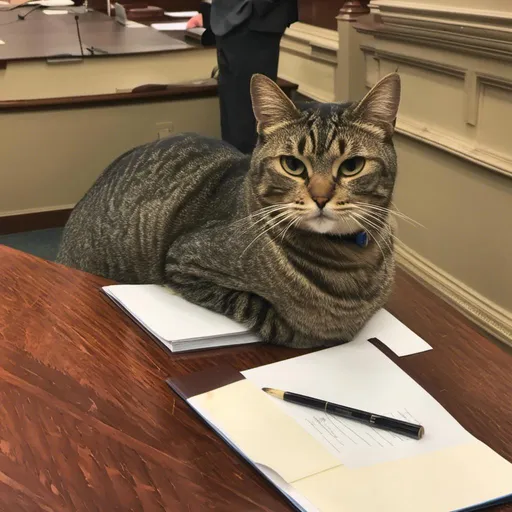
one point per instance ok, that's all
(321, 201)
(321, 189)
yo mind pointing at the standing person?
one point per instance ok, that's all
(248, 34)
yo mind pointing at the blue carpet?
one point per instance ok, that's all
(43, 242)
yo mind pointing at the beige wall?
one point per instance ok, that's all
(453, 143)
(50, 158)
(39, 79)
(53, 157)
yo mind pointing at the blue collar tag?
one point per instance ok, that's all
(362, 239)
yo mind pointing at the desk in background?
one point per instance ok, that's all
(29, 69)
(63, 122)
(88, 422)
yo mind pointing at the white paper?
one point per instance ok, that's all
(169, 316)
(53, 3)
(182, 14)
(293, 495)
(300, 502)
(170, 26)
(54, 12)
(394, 334)
(133, 24)
(358, 375)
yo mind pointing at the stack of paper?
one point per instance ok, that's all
(176, 323)
(53, 3)
(182, 14)
(174, 26)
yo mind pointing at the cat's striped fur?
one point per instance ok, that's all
(243, 237)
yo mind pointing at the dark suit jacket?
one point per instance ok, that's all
(260, 15)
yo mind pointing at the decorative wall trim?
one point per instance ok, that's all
(471, 31)
(457, 147)
(314, 37)
(466, 149)
(447, 13)
(309, 57)
(486, 314)
(472, 92)
(430, 65)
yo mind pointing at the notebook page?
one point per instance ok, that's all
(456, 478)
(261, 431)
(171, 317)
(359, 375)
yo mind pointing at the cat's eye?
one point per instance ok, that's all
(293, 165)
(352, 166)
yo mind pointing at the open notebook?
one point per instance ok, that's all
(323, 463)
(177, 324)
(181, 326)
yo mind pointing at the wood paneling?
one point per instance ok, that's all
(322, 13)
(32, 221)
(142, 94)
(89, 424)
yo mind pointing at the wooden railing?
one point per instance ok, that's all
(352, 9)
(322, 13)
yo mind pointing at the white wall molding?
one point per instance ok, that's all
(454, 146)
(443, 11)
(456, 69)
(473, 31)
(430, 65)
(473, 145)
(309, 57)
(479, 309)
(311, 37)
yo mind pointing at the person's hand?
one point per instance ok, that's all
(195, 22)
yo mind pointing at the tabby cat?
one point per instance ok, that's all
(263, 239)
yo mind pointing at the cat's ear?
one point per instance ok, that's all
(270, 104)
(380, 106)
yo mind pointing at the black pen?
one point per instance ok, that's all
(373, 420)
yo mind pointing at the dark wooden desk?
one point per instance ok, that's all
(40, 36)
(88, 424)
(172, 92)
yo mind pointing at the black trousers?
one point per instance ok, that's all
(241, 53)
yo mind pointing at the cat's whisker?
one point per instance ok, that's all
(381, 229)
(266, 218)
(270, 220)
(361, 221)
(287, 217)
(269, 209)
(369, 222)
(382, 224)
(384, 212)
(265, 209)
(264, 221)
(374, 234)
(286, 229)
(262, 212)
(396, 213)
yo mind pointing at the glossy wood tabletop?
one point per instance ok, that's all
(87, 422)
